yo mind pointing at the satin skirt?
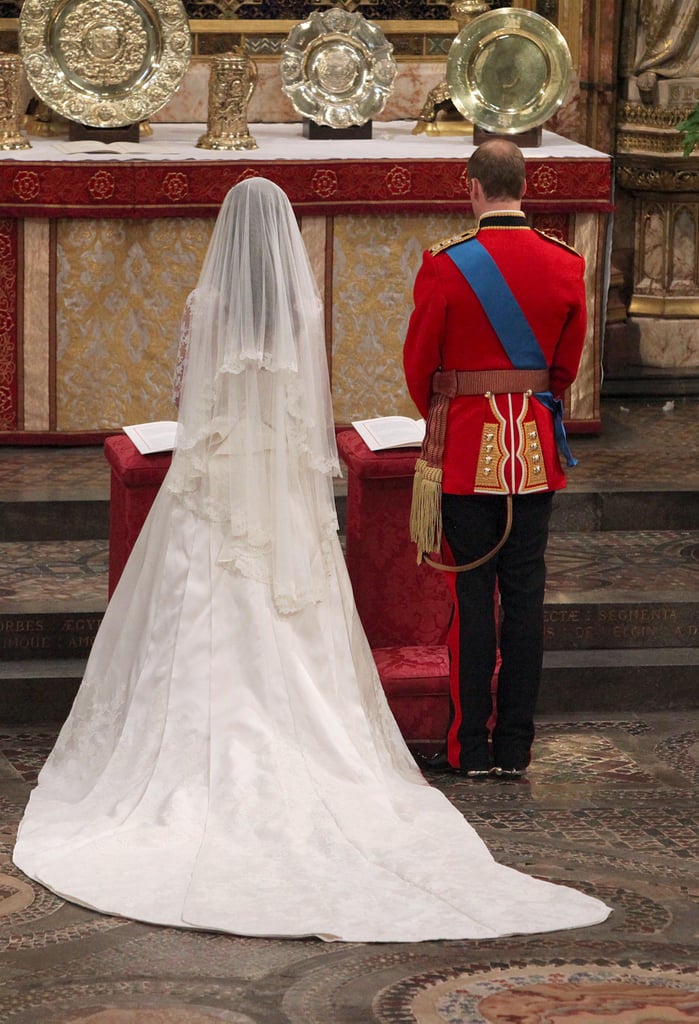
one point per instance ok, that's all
(228, 768)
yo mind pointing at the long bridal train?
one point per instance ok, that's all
(228, 767)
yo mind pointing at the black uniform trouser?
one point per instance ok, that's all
(473, 524)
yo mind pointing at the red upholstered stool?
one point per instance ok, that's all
(416, 683)
(404, 608)
(135, 481)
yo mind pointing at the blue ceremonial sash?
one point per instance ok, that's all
(509, 323)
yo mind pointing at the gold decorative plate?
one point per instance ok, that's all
(508, 70)
(105, 63)
(337, 68)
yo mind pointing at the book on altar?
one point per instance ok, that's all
(133, 149)
(390, 432)
(149, 438)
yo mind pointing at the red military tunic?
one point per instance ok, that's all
(502, 443)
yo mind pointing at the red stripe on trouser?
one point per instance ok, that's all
(454, 646)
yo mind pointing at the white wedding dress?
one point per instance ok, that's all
(226, 767)
(230, 761)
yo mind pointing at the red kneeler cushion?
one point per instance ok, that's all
(415, 680)
(135, 481)
(405, 608)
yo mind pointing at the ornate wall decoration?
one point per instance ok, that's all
(293, 10)
(296, 10)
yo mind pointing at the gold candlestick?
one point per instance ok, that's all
(438, 100)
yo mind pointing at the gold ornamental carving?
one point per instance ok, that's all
(104, 53)
(651, 130)
(680, 177)
(652, 117)
(232, 81)
(11, 136)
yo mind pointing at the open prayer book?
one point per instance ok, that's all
(149, 438)
(390, 432)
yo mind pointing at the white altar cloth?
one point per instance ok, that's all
(393, 140)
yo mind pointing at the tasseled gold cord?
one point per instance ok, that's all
(426, 509)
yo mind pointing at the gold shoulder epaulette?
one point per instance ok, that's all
(454, 240)
(558, 241)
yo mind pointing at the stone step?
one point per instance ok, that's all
(54, 520)
(650, 679)
(640, 473)
(53, 493)
(39, 691)
(606, 590)
(35, 635)
(580, 510)
(52, 597)
(572, 681)
(621, 620)
(622, 590)
(612, 509)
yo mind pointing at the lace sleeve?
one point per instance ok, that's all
(182, 352)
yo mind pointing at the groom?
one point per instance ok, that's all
(494, 340)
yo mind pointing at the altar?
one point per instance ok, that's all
(99, 250)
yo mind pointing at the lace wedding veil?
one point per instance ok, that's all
(256, 443)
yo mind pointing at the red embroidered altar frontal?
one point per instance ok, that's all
(394, 171)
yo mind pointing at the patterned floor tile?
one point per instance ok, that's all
(50, 572)
(634, 563)
(539, 994)
(53, 474)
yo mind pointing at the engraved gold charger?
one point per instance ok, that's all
(337, 68)
(508, 70)
(105, 63)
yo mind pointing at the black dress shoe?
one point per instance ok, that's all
(439, 762)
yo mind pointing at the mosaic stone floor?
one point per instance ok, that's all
(616, 564)
(643, 444)
(609, 806)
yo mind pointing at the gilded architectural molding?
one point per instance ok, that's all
(679, 176)
(637, 114)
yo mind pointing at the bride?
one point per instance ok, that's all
(230, 762)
